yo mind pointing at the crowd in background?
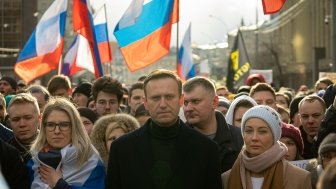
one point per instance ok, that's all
(161, 132)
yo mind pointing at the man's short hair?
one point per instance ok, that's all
(39, 89)
(23, 98)
(262, 87)
(194, 82)
(313, 98)
(58, 82)
(137, 85)
(162, 74)
(109, 85)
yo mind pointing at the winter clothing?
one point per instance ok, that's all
(5, 133)
(125, 121)
(12, 167)
(10, 80)
(83, 88)
(222, 101)
(90, 175)
(329, 95)
(294, 107)
(88, 113)
(259, 77)
(230, 113)
(135, 160)
(293, 133)
(269, 115)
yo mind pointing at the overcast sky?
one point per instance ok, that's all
(226, 15)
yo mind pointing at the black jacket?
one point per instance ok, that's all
(12, 167)
(195, 161)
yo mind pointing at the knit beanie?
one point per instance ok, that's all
(10, 80)
(222, 101)
(259, 77)
(294, 106)
(328, 144)
(329, 95)
(269, 115)
(292, 132)
(83, 88)
(88, 113)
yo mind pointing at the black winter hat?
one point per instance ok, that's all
(329, 95)
(328, 144)
(83, 88)
(88, 113)
(294, 107)
(10, 80)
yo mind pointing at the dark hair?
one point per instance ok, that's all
(58, 82)
(109, 85)
(161, 74)
(137, 85)
(39, 89)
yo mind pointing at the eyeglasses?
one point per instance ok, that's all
(63, 126)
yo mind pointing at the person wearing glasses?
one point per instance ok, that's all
(107, 95)
(24, 119)
(62, 154)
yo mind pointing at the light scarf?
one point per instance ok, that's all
(72, 174)
(269, 162)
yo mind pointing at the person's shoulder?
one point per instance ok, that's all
(195, 136)
(294, 170)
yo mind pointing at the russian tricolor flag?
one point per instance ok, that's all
(100, 25)
(144, 31)
(185, 66)
(43, 50)
(83, 25)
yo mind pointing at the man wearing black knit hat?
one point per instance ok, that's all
(81, 94)
(7, 85)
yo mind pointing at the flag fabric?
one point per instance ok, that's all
(185, 65)
(43, 50)
(143, 32)
(272, 6)
(83, 24)
(78, 57)
(239, 64)
(100, 25)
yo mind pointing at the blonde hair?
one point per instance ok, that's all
(79, 137)
(23, 98)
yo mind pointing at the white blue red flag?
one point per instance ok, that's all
(100, 25)
(185, 66)
(143, 33)
(84, 26)
(42, 52)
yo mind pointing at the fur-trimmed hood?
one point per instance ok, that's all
(128, 123)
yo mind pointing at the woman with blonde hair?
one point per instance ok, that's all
(108, 128)
(261, 164)
(62, 155)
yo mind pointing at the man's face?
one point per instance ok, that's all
(24, 120)
(106, 103)
(80, 99)
(163, 101)
(199, 106)
(311, 114)
(265, 98)
(136, 99)
(6, 88)
(40, 97)
(223, 92)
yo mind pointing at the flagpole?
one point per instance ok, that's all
(177, 33)
(110, 62)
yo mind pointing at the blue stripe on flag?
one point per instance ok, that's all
(29, 50)
(154, 15)
(101, 32)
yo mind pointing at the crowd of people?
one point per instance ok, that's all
(164, 133)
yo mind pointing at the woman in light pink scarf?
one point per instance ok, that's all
(261, 163)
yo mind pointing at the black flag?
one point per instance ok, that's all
(239, 64)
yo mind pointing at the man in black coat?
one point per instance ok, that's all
(12, 167)
(200, 102)
(164, 153)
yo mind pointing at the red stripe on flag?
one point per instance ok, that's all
(272, 6)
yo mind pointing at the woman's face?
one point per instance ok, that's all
(58, 129)
(257, 136)
(115, 133)
(87, 124)
(238, 115)
(292, 149)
